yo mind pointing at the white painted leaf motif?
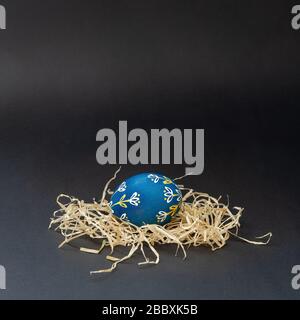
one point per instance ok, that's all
(154, 178)
(168, 193)
(161, 216)
(134, 199)
(124, 217)
(122, 187)
(179, 195)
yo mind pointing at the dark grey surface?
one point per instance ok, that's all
(69, 69)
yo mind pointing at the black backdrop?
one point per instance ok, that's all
(70, 68)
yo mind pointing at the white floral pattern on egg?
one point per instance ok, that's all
(146, 198)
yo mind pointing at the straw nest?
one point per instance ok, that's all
(201, 220)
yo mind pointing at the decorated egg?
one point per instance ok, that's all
(146, 198)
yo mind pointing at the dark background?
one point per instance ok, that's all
(70, 68)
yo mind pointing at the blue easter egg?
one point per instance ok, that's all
(146, 198)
